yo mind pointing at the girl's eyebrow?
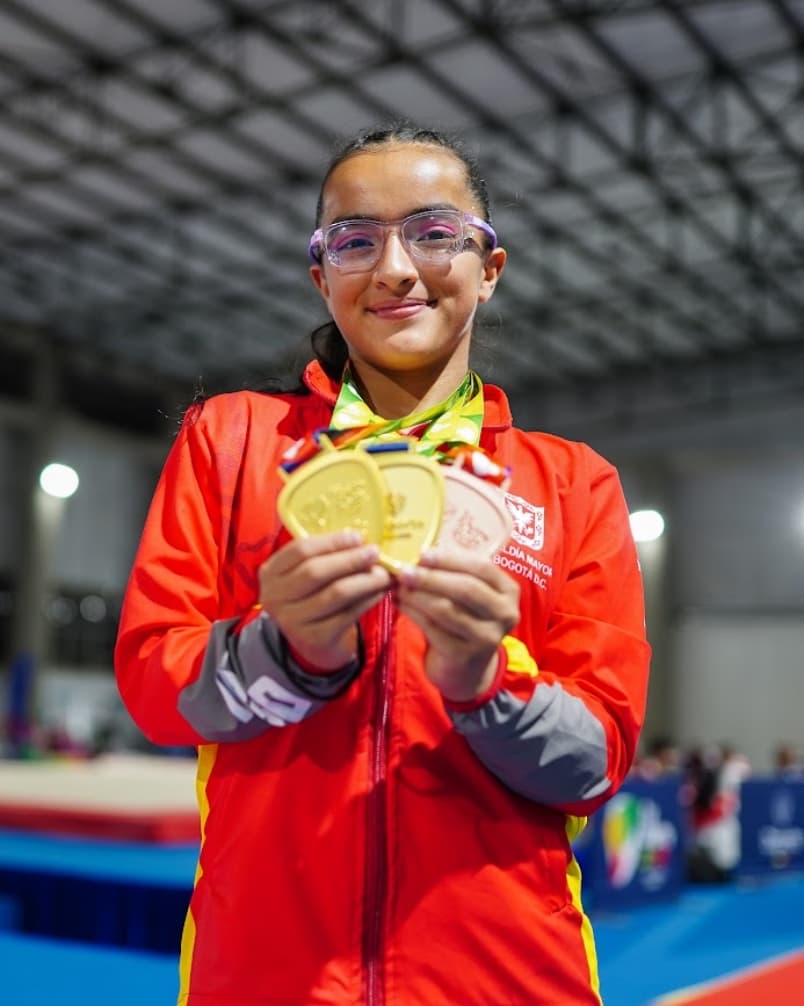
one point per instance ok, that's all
(431, 207)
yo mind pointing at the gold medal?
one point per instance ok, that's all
(475, 515)
(414, 503)
(332, 492)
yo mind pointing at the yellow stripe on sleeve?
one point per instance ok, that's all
(519, 659)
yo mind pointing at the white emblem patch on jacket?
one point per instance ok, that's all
(528, 522)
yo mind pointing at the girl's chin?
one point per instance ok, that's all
(408, 357)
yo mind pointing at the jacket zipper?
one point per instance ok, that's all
(376, 821)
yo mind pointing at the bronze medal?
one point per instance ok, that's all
(335, 491)
(475, 515)
(414, 503)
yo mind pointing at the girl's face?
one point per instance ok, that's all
(404, 315)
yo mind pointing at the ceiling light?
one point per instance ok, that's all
(646, 525)
(58, 480)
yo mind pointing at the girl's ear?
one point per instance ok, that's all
(492, 270)
(319, 279)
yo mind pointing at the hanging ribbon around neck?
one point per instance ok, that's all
(448, 431)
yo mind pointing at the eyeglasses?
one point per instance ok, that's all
(429, 236)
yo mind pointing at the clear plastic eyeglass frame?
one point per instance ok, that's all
(428, 236)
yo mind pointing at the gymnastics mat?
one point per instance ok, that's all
(145, 798)
(779, 980)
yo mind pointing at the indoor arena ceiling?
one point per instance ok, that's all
(159, 162)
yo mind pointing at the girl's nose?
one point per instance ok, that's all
(395, 264)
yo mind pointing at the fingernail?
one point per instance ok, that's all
(349, 538)
(430, 555)
(407, 575)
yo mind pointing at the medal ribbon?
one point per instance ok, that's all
(450, 430)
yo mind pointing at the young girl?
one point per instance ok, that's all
(392, 764)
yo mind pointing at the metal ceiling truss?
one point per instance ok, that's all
(646, 164)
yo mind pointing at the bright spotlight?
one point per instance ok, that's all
(58, 480)
(646, 525)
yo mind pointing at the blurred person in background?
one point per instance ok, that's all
(788, 762)
(662, 759)
(715, 775)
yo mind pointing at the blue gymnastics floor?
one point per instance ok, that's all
(645, 953)
(707, 933)
(37, 971)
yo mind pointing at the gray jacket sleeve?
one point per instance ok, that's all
(550, 749)
(249, 683)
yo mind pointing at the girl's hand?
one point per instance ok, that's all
(464, 605)
(316, 588)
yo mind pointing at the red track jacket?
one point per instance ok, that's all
(362, 841)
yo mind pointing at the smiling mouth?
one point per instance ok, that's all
(399, 308)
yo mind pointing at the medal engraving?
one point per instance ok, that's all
(332, 492)
(414, 503)
(475, 515)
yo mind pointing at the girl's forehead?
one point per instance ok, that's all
(384, 180)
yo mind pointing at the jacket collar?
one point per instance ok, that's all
(496, 410)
